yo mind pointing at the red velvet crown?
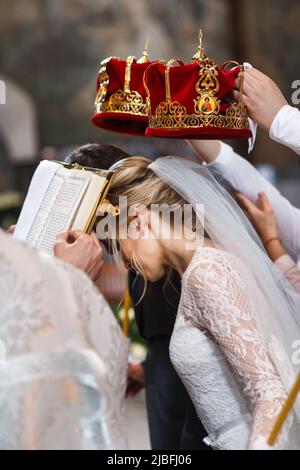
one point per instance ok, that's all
(120, 100)
(193, 101)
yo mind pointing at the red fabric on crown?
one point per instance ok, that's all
(127, 123)
(183, 79)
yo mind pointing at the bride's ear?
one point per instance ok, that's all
(142, 222)
(139, 225)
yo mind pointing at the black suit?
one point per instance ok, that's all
(173, 423)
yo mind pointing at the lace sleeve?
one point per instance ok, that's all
(221, 305)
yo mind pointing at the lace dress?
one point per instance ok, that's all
(218, 353)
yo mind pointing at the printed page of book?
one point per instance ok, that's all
(64, 195)
(36, 193)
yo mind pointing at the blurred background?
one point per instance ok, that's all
(51, 50)
(50, 54)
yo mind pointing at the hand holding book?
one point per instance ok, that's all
(59, 208)
(59, 199)
(81, 250)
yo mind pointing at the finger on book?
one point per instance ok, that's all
(75, 235)
(62, 237)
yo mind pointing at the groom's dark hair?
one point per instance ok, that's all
(101, 156)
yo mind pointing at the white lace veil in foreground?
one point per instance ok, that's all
(63, 356)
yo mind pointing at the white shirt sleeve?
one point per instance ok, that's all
(240, 175)
(290, 270)
(285, 128)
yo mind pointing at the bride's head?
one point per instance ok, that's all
(151, 236)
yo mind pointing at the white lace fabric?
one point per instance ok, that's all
(63, 380)
(217, 350)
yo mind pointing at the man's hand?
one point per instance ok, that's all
(261, 96)
(135, 379)
(11, 229)
(81, 250)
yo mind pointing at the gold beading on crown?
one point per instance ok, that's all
(121, 101)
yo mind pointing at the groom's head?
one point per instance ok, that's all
(100, 156)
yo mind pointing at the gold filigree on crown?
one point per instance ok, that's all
(121, 101)
(174, 115)
(171, 114)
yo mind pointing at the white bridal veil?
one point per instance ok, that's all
(278, 316)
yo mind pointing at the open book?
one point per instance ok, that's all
(60, 198)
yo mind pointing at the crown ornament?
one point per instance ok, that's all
(196, 99)
(120, 102)
(106, 207)
(199, 55)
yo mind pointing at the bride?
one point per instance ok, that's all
(235, 330)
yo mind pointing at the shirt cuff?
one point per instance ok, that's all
(282, 125)
(284, 263)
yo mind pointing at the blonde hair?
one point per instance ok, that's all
(134, 179)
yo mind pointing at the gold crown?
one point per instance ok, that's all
(172, 114)
(123, 100)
